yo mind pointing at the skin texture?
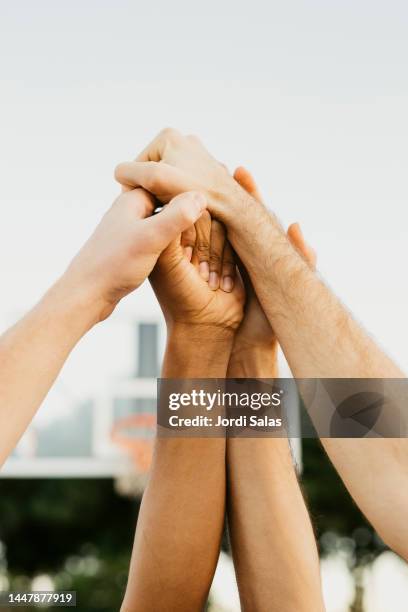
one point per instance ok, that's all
(255, 331)
(208, 242)
(201, 325)
(187, 299)
(181, 519)
(318, 335)
(273, 544)
(116, 259)
(207, 238)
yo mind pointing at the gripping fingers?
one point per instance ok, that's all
(247, 182)
(161, 179)
(202, 244)
(217, 243)
(296, 237)
(188, 240)
(228, 269)
(154, 151)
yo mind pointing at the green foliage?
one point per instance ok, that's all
(331, 506)
(80, 532)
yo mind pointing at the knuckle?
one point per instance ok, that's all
(188, 238)
(203, 248)
(188, 214)
(169, 134)
(152, 177)
(194, 138)
(228, 268)
(189, 233)
(215, 259)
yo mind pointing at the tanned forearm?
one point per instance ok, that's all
(32, 354)
(274, 548)
(181, 518)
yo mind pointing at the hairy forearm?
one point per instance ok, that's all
(272, 539)
(182, 514)
(298, 304)
(33, 352)
(375, 471)
(321, 339)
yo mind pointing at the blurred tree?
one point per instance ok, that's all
(80, 532)
(331, 507)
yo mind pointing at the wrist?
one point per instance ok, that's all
(200, 332)
(242, 214)
(228, 198)
(253, 360)
(79, 307)
(195, 351)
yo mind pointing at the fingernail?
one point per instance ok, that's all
(227, 284)
(204, 270)
(214, 282)
(188, 252)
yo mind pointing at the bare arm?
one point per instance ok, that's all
(32, 354)
(115, 260)
(273, 544)
(274, 548)
(181, 518)
(319, 337)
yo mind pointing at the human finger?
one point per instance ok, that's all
(188, 240)
(161, 179)
(217, 243)
(247, 182)
(202, 245)
(229, 268)
(155, 149)
(296, 237)
(182, 212)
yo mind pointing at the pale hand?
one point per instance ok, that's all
(125, 246)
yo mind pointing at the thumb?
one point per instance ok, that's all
(177, 216)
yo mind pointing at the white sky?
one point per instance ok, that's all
(312, 96)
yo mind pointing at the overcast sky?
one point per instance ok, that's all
(312, 96)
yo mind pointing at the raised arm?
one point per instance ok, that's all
(375, 471)
(115, 260)
(273, 544)
(319, 336)
(181, 518)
